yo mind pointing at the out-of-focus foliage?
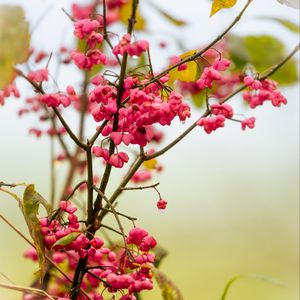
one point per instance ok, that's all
(262, 52)
(284, 22)
(14, 41)
(168, 289)
(175, 21)
(125, 15)
(291, 3)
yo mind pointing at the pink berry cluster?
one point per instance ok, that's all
(261, 91)
(118, 269)
(88, 30)
(210, 74)
(10, 90)
(140, 111)
(133, 49)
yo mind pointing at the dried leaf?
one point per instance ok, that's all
(291, 3)
(168, 289)
(30, 210)
(220, 4)
(14, 41)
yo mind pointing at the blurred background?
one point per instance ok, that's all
(233, 196)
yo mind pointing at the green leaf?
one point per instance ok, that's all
(14, 41)
(168, 289)
(248, 276)
(66, 240)
(83, 47)
(31, 202)
(262, 52)
(199, 99)
(284, 22)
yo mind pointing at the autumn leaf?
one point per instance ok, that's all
(125, 13)
(220, 4)
(14, 41)
(189, 74)
(150, 164)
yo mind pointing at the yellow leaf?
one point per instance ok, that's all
(150, 164)
(220, 4)
(125, 13)
(14, 41)
(189, 74)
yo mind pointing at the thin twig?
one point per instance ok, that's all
(111, 229)
(77, 186)
(52, 172)
(140, 187)
(12, 185)
(25, 289)
(121, 214)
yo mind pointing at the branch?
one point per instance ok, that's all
(90, 184)
(69, 130)
(107, 171)
(98, 132)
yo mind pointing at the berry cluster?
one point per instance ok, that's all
(125, 269)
